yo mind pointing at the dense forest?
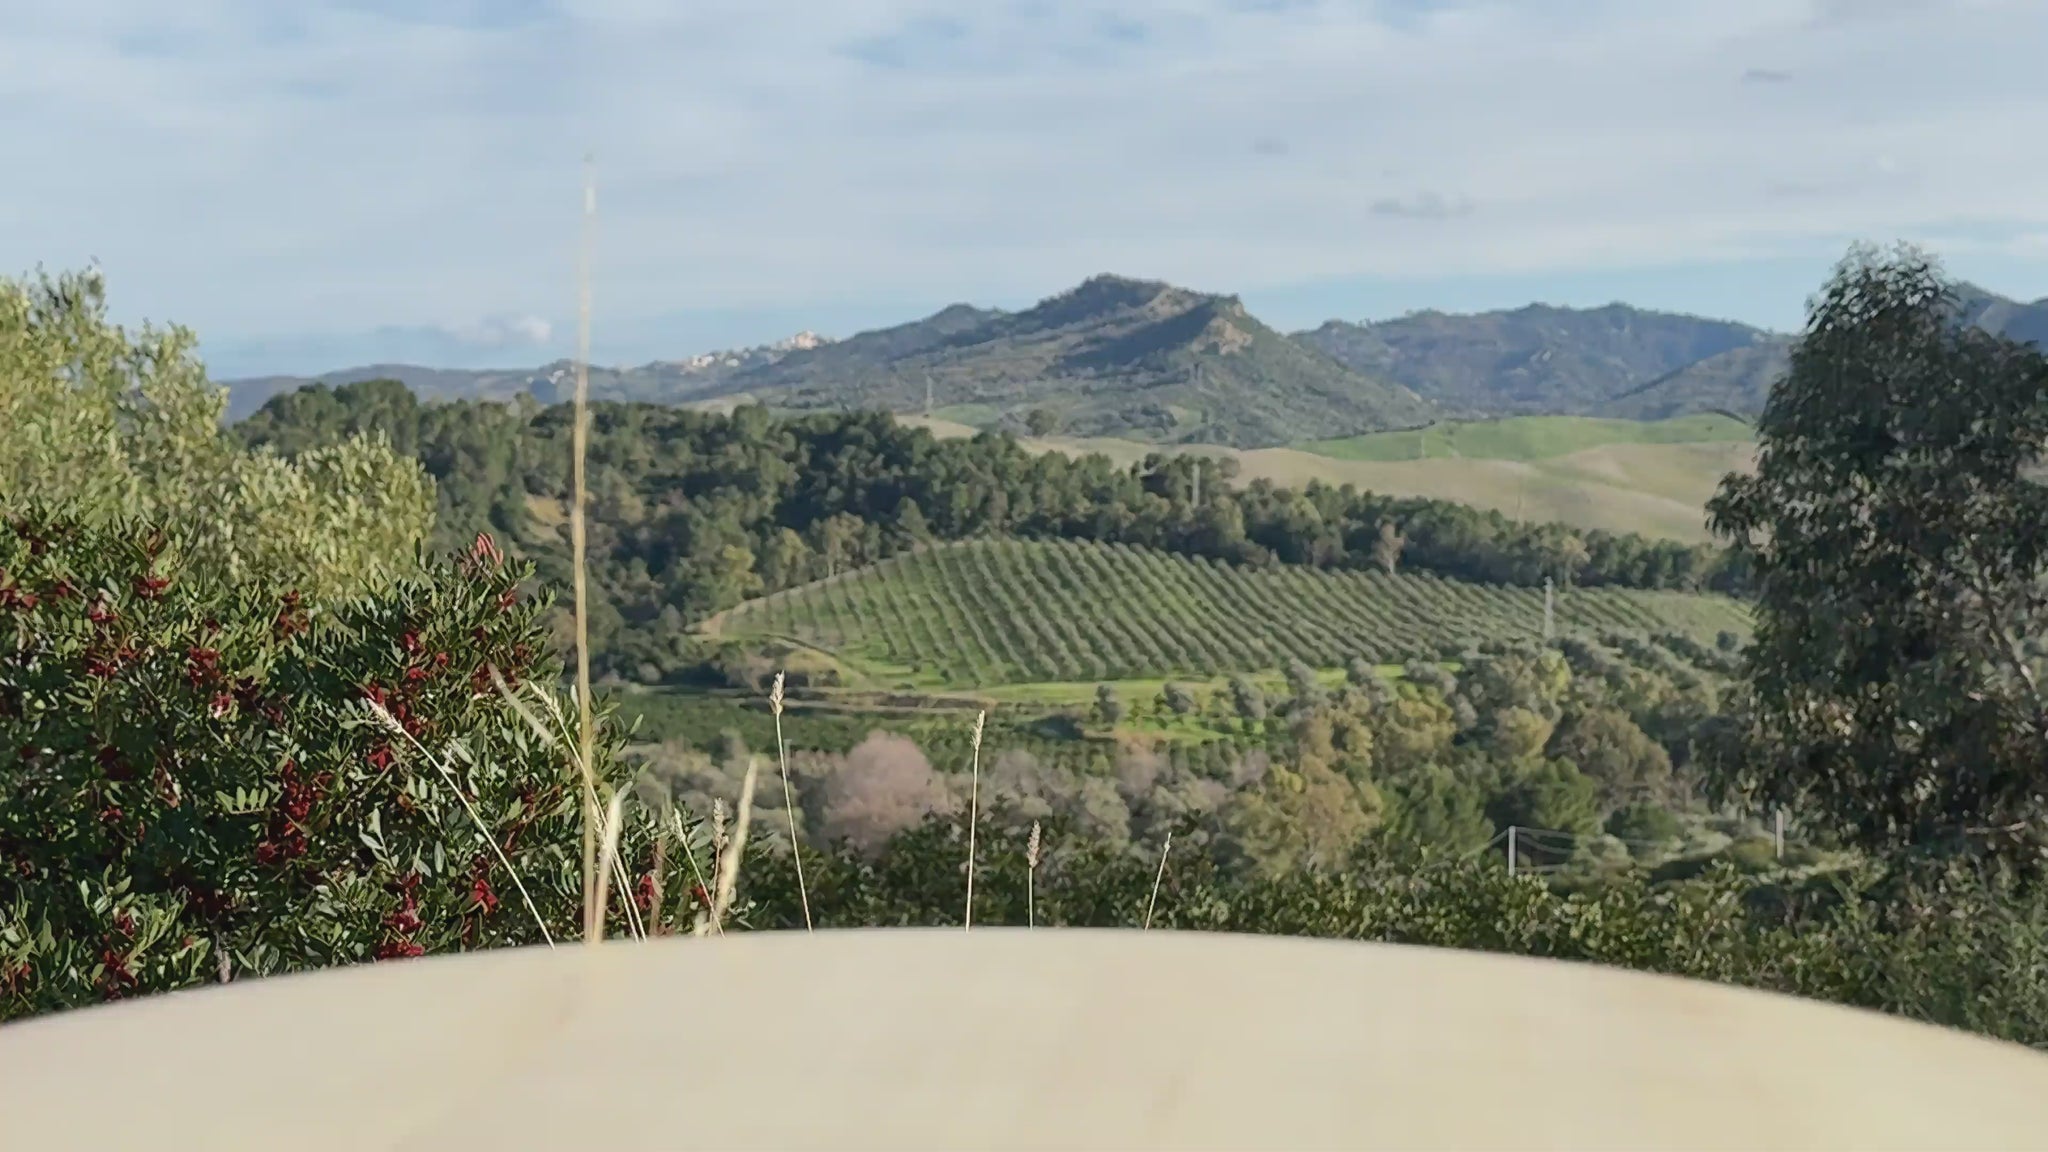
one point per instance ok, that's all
(694, 512)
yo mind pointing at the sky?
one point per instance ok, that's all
(324, 183)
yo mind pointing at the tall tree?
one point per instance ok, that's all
(105, 425)
(1895, 529)
(1386, 548)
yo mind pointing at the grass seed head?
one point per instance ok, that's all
(775, 695)
(1031, 847)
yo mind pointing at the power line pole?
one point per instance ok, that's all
(1778, 832)
(1549, 610)
(927, 395)
(1511, 850)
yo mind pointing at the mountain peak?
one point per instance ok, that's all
(1113, 355)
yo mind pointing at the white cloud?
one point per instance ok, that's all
(502, 331)
(248, 166)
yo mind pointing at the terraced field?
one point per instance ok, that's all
(990, 612)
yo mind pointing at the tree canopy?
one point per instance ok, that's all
(1894, 526)
(111, 425)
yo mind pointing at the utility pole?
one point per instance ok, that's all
(1196, 499)
(927, 395)
(1549, 611)
(1778, 832)
(1511, 850)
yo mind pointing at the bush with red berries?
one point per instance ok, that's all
(202, 782)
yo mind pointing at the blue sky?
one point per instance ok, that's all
(332, 182)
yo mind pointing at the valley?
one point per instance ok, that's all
(1127, 571)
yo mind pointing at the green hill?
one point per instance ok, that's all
(1111, 357)
(1530, 437)
(989, 612)
(1532, 360)
(1738, 380)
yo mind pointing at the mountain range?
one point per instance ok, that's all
(1146, 360)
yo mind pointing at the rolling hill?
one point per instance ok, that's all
(1649, 477)
(1738, 380)
(990, 612)
(1146, 361)
(1530, 437)
(660, 382)
(1614, 361)
(1538, 359)
(1114, 356)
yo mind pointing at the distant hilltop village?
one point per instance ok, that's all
(801, 342)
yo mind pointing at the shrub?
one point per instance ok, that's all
(1646, 824)
(196, 785)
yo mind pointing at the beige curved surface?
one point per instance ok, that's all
(1002, 1039)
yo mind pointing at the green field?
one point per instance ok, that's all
(1613, 475)
(1530, 438)
(996, 612)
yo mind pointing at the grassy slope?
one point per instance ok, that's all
(1616, 475)
(987, 613)
(1530, 438)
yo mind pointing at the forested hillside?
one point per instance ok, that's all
(1536, 360)
(694, 512)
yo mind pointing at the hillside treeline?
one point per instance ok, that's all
(694, 512)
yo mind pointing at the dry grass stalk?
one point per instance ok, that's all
(578, 756)
(796, 848)
(675, 818)
(656, 894)
(483, 830)
(973, 818)
(718, 842)
(609, 868)
(1031, 878)
(730, 855)
(1154, 902)
(614, 830)
(580, 439)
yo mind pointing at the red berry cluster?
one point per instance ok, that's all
(116, 978)
(286, 836)
(291, 619)
(403, 923)
(14, 598)
(481, 895)
(202, 666)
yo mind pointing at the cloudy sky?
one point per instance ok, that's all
(327, 182)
